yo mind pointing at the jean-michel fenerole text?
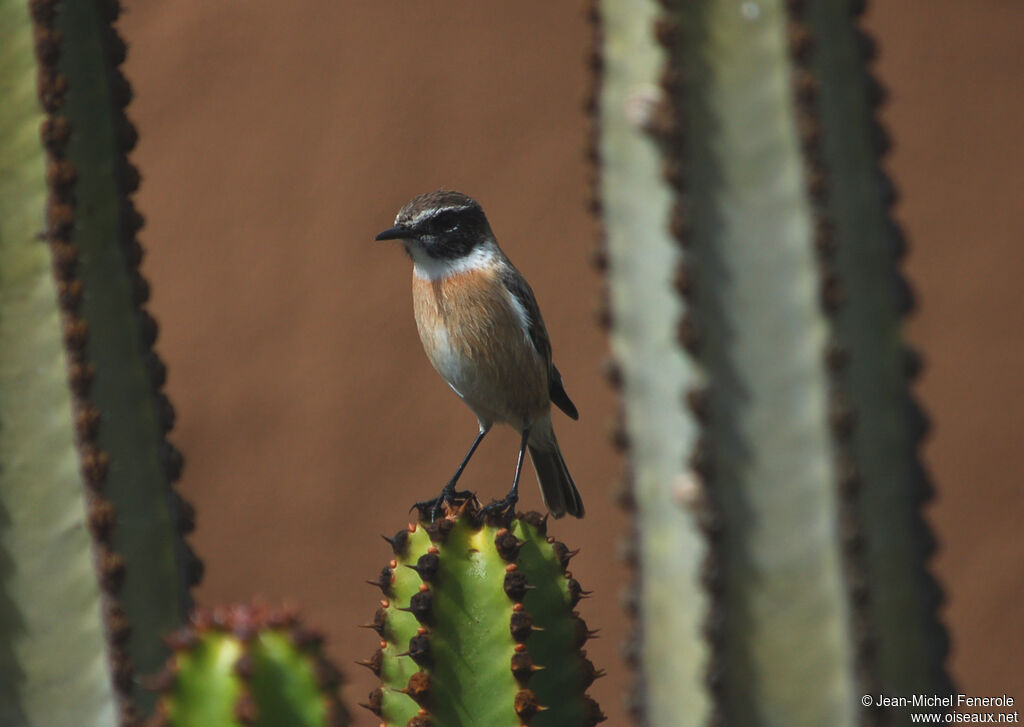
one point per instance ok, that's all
(944, 700)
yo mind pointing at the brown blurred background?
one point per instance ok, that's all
(277, 138)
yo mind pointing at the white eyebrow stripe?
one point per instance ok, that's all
(434, 212)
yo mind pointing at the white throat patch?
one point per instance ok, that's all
(430, 268)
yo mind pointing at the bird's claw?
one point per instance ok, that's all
(449, 496)
(503, 507)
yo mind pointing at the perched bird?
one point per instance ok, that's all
(482, 330)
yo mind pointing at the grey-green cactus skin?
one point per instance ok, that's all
(52, 670)
(756, 327)
(911, 643)
(655, 371)
(93, 566)
(125, 388)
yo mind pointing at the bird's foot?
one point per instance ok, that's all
(501, 509)
(430, 509)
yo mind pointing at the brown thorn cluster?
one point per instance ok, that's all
(418, 688)
(400, 542)
(384, 581)
(374, 701)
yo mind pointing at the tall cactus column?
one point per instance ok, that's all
(126, 375)
(866, 248)
(754, 309)
(93, 564)
(654, 371)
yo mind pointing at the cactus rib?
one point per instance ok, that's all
(126, 374)
(910, 643)
(639, 150)
(54, 611)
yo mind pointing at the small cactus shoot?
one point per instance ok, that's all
(248, 666)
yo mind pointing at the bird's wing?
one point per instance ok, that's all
(516, 284)
(558, 395)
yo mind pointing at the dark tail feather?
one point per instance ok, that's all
(556, 485)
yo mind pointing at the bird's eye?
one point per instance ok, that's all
(445, 223)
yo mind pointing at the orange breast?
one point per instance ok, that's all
(474, 339)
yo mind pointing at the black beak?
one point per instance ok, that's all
(395, 233)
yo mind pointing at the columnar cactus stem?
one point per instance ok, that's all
(133, 414)
(83, 421)
(477, 626)
(654, 373)
(891, 483)
(754, 314)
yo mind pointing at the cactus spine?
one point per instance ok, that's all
(477, 627)
(751, 264)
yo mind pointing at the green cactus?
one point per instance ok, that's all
(93, 566)
(477, 627)
(753, 281)
(248, 665)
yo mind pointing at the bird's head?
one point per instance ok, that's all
(440, 225)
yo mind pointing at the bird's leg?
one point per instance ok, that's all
(512, 497)
(449, 493)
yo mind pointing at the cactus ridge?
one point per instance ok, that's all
(61, 176)
(52, 668)
(645, 139)
(122, 415)
(880, 468)
(832, 298)
(699, 494)
(247, 665)
(629, 545)
(477, 626)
